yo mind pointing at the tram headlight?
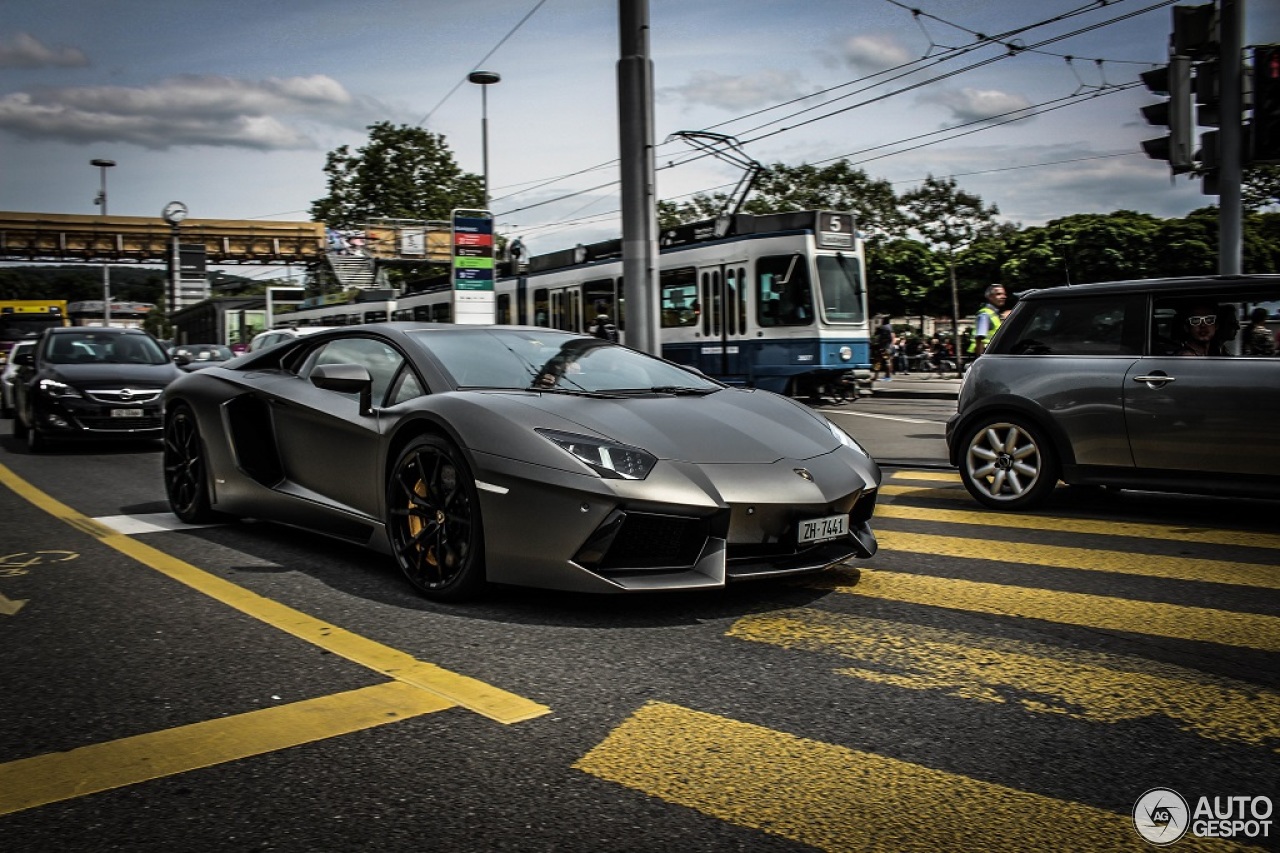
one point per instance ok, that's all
(846, 353)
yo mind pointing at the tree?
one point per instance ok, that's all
(902, 277)
(403, 172)
(949, 220)
(1261, 188)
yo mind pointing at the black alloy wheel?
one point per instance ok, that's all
(433, 512)
(186, 472)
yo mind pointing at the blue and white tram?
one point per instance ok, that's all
(337, 314)
(777, 301)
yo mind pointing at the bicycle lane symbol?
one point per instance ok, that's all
(21, 563)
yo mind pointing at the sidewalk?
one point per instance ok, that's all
(917, 386)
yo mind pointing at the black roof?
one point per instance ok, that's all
(1172, 286)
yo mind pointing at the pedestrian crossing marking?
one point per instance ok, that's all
(1175, 621)
(1009, 520)
(1092, 686)
(1082, 559)
(839, 799)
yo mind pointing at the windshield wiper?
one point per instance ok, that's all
(676, 390)
(575, 392)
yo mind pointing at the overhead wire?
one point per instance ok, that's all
(1011, 50)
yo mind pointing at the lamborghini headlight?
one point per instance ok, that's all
(846, 439)
(606, 458)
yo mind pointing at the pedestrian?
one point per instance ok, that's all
(1258, 339)
(604, 329)
(884, 347)
(987, 320)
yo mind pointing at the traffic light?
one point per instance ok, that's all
(1173, 80)
(1195, 31)
(1266, 104)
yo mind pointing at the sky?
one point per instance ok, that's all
(231, 107)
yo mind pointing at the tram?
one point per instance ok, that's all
(775, 301)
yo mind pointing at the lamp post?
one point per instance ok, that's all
(174, 212)
(103, 165)
(484, 79)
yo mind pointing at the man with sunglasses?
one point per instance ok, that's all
(1201, 326)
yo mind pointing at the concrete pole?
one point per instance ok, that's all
(1230, 205)
(639, 202)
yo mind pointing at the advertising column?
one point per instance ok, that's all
(473, 269)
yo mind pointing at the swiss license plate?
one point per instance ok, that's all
(822, 529)
(126, 413)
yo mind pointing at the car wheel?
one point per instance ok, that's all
(433, 520)
(186, 470)
(1008, 464)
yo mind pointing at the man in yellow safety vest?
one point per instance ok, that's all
(987, 320)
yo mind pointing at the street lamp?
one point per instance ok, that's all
(103, 165)
(174, 212)
(484, 79)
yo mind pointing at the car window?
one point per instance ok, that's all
(1074, 326)
(405, 387)
(379, 358)
(1216, 324)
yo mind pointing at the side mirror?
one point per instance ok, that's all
(346, 379)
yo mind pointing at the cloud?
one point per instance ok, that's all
(869, 54)
(186, 110)
(26, 51)
(968, 105)
(743, 92)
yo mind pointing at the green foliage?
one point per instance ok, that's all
(81, 283)
(403, 172)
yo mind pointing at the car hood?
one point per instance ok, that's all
(112, 375)
(729, 426)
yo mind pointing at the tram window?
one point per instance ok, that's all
(840, 280)
(786, 296)
(402, 314)
(541, 305)
(730, 302)
(422, 313)
(679, 288)
(442, 313)
(742, 300)
(375, 316)
(599, 297)
(503, 314)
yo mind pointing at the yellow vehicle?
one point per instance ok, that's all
(27, 318)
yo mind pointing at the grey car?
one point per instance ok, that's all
(525, 456)
(1163, 385)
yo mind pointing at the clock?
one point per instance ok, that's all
(174, 212)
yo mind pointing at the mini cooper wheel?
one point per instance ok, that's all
(433, 520)
(186, 471)
(1008, 464)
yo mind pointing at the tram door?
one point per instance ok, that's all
(566, 309)
(725, 348)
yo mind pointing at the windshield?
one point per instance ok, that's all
(103, 348)
(545, 360)
(840, 279)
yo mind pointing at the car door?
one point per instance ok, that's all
(1215, 414)
(329, 450)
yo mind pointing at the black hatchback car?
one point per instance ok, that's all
(91, 383)
(1164, 385)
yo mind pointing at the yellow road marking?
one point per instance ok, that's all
(951, 493)
(1200, 624)
(58, 776)
(931, 476)
(1091, 686)
(470, 693)
(1176, 533)
(839, 799)
(1083, 559)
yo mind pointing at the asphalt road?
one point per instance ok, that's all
(986, 682)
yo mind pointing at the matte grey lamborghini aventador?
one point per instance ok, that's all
(518, 455)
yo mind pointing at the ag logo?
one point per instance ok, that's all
(1161, 816)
